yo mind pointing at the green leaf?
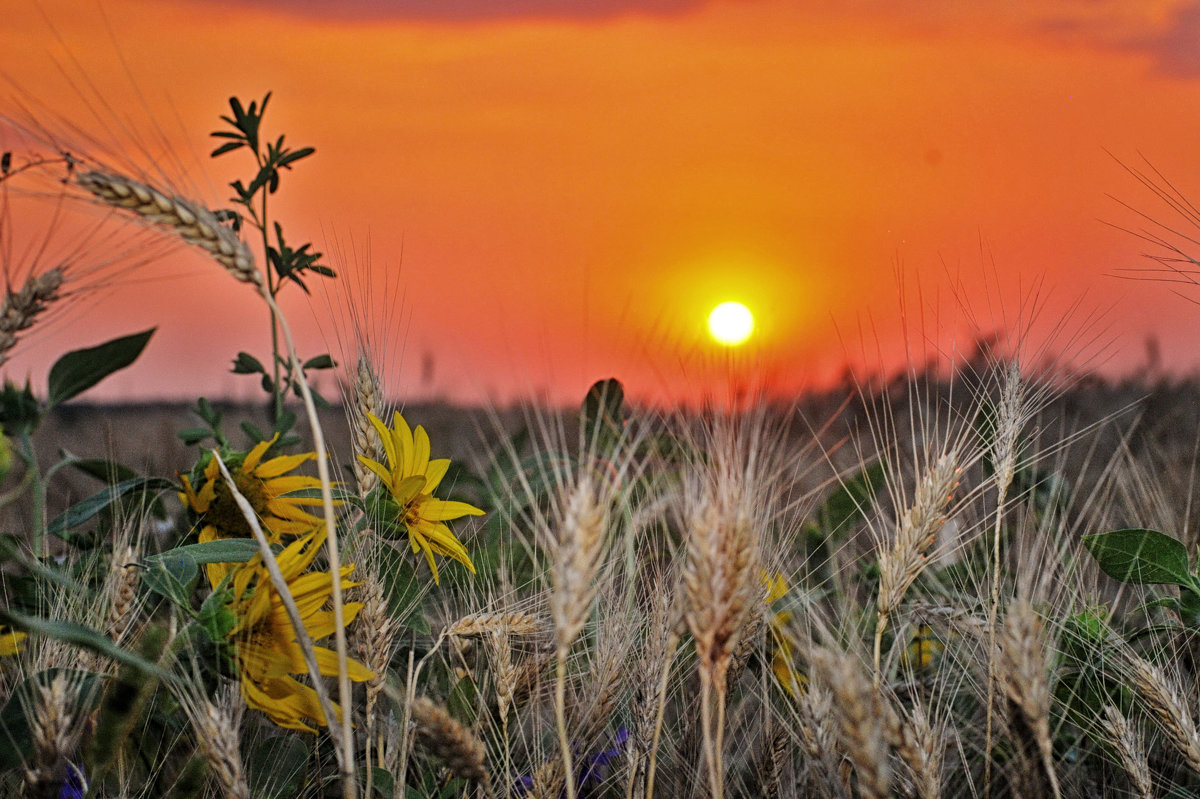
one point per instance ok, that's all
(79, 370)
(83, 511)
(84, 637)
(846, 505)
(194, 435)
(113, 472)
(105, 470)
(253, 432)
(247, 364)
(319, 362)
(174, 578)
(226, 147)
(225, 550)
(1140, 557)
(277, 767)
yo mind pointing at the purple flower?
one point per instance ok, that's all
(592, 770)
(74, 786)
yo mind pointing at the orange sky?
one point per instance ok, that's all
(572, 192)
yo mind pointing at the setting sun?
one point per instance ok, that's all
(730, 323)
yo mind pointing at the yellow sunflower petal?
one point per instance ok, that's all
(381, 471)
(402, 439)
(255, 455)
(278, 486)
(280, 465)
(327, 661)
(10, 642)
(385, 435)
(287, 701)
(420, 460)
(434, 474)
(438, 510)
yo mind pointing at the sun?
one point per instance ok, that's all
(730, 323)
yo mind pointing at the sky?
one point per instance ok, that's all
(522, 198)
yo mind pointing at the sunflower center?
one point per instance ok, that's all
(223, 512)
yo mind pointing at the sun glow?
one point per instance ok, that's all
(730, 323)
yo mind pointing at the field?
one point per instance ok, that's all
(969, 579)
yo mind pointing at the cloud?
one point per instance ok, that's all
(1167, 32)
(475, 10)
(1176, 49)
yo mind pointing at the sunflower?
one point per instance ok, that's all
(10, 642)
(264, 641)
(265, 484)
(782, 659)
(410, 478)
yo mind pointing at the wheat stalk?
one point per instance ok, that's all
(191, 222)
(1010, 414)
(903, 562)
(577, 552)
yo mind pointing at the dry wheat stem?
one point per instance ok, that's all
(903, 562)
(1129, 748)
(332, 548)
(20, 309)
(453, 744)
(1009, 420)
(289, 604)
(577, 552)
(192, 222)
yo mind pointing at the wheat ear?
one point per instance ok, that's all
(903, 562)
(1166, 704)
(483, 624)
(443, 737)
(1022, 667)
(190, 221)
(719, 581)
(20, 309)
(219, 729)
(368, 401)
(54, 732)
(1129, 748)
(858, 710)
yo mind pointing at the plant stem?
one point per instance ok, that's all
(332, 548)
(38, 491)
(560, 715)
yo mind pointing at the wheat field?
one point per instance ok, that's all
(966, 579)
